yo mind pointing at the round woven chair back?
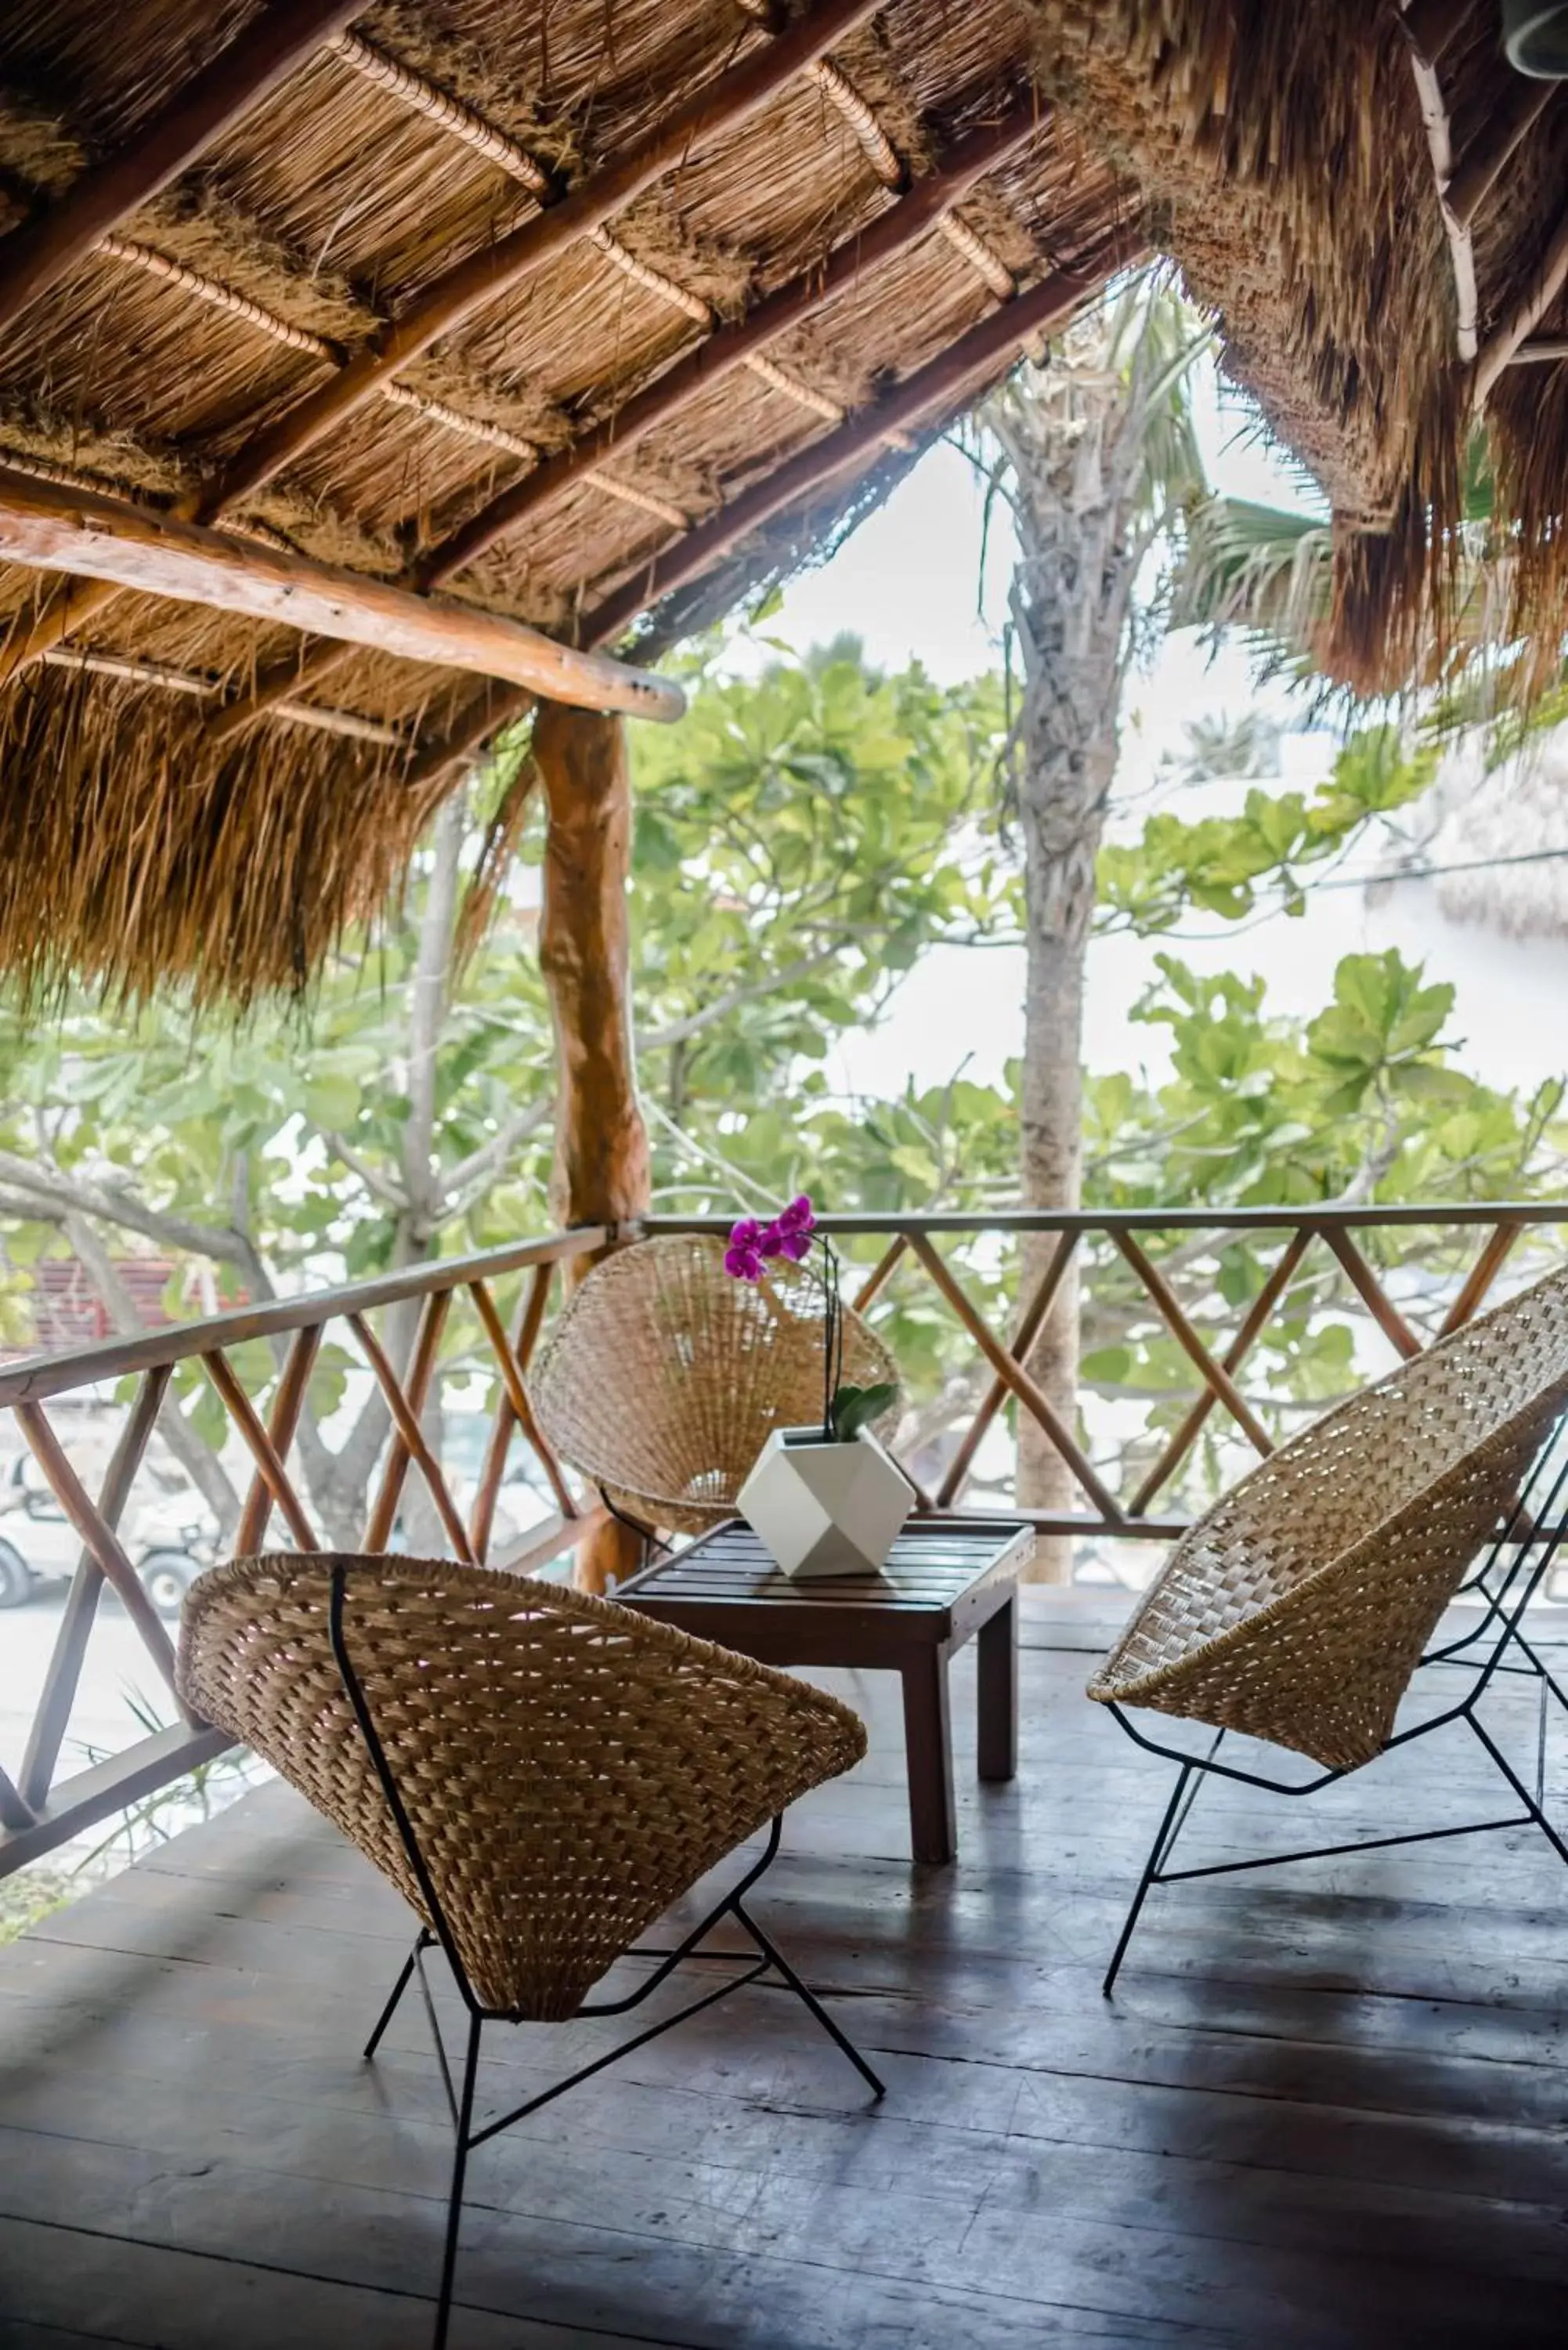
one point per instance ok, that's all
(1298, 1608)
(664, 1376)
(569, 1768)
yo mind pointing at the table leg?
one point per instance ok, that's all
(928, 1756)
(996, 1689)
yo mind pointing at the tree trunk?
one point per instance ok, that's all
(1069, 435)
(1061, 836)
(601, 1172)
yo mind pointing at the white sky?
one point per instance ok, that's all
(907, 584)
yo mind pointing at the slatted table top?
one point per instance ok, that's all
(944, 1576)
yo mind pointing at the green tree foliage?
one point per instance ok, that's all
(801, 841)
(1279, 840)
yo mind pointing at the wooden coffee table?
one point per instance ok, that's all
(948, 1580)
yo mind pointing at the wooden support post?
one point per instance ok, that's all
(601, 1172)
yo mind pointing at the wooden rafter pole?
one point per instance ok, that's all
(282, 35)
(903, 225)
(1425, 48)
(56, 529)
(601, 1172)
(721, 105)
(934, 387)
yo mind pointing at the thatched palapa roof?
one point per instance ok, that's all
(346, 348)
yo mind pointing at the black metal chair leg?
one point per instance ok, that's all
(776, 1960)
(1164, 1837)
(1520, 1789)
(398, 1987)
(458, 2166)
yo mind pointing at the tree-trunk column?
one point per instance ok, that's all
(601, 1170)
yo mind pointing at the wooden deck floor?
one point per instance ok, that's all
(1326, 2107)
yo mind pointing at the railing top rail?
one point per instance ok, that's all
(37, 1377)
(40, 1376)
(1325, 1218)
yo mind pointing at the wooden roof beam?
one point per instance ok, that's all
(1490, 155)
(96, 538)
(728, 100)
(1432, 25)
(1551, 277)
(471, 729)
(903, 225)
(279, 37)
(935, 386)
(1038, 311)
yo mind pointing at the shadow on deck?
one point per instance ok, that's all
(1326, 2107)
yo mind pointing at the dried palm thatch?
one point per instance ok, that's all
(1293, 161)
(224, 793)
(570, 313)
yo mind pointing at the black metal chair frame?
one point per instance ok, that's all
(761, 1960)
(1507, 1585)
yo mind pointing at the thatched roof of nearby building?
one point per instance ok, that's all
(1498, 837)
(344, 346)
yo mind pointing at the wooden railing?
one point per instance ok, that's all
(39, 1810)
(491, 1309)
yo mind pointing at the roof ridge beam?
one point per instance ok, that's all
(721, 104)
(936, 384)
(900, 226)
(36, 256)
(100, 538)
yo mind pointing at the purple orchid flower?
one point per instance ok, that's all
(789, 1235)
(744, 1257)
(793, 1228)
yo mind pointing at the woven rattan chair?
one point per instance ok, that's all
(664, 1377)
(540, 1774)
(1298, 1610)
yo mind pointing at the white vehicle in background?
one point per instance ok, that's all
(168, 1531)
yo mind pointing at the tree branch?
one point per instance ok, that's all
(392, 1195)
(112, 1204)
(678, 1032)
(490, 1155)
(426, 1016)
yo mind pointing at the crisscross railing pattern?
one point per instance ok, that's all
(483, 1316)
(38, 1809)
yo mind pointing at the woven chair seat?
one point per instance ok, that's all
(1298, 1607)
(569, 1768)
(665, 1378)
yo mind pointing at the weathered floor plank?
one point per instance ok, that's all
(1325, 2110)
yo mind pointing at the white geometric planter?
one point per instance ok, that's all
(824, 1508)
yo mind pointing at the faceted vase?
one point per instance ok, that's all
(824, 1508)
